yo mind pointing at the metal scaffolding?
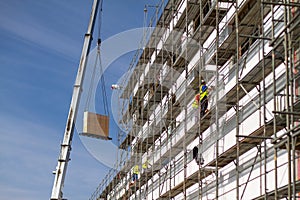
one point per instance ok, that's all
(247, 142)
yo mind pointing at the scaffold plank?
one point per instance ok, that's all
(245, 145)
(191, 180)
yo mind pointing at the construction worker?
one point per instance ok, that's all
(145, 166)
(198, 157)
(202, 97)
(135, 173)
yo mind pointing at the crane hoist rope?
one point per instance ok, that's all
(98, 62)
(97, 125)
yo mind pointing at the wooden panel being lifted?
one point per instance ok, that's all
(96, 126)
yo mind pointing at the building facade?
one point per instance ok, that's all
(246, 144)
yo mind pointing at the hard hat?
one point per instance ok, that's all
(202, 81)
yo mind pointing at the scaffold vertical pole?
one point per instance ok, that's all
(274, 102)
(262, 34)
(200, 68)
(217, 100)
(237, 100)
(287, 96)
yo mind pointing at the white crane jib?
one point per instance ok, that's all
(64, 155)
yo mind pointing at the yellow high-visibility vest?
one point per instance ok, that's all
(145, 165)
(203, 93)
(136, 169)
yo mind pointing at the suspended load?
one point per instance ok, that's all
(96, 126)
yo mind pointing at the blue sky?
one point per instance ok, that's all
(40, 47)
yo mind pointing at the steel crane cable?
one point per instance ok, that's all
(102, 79)
(91, 85)
(100, 21)
(104, 95)
(102, 83)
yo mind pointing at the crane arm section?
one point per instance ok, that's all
(65, 149)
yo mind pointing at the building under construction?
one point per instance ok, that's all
(246, 144)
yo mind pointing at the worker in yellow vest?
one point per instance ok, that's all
(202, 97)
(135, 173)
(145, 166)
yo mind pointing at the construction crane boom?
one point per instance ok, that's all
(65, 149)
